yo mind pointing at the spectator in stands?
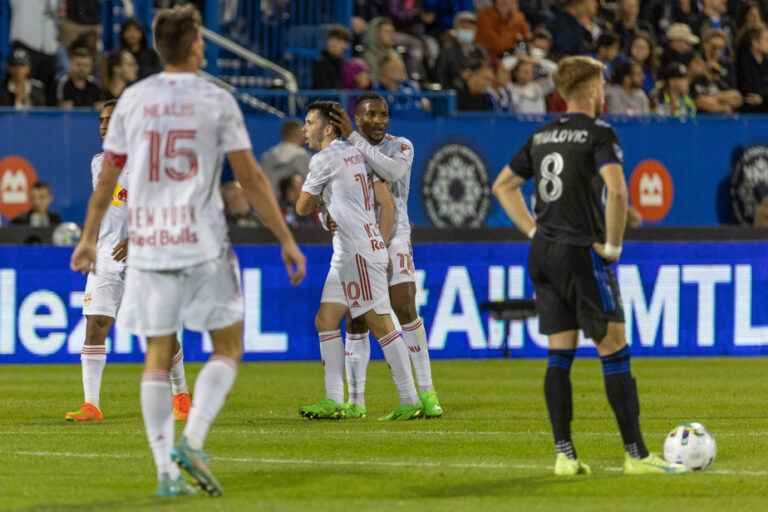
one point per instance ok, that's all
(711, 96)
(570, 35)
(643, 51)
(380, 40)
(18, 89)
(628, 23)
(33, 28)
(132, 38)
(713, 16)
(459, 52)
(501, 90)
(287, 158)
(625, 96)
(122, 71)
(327, 70)
(680, 43)
(40, 214)
(501, 27)
(752, 70)
(444, 12)
(589, 19)
(529, 95)
(663, 14)
(289, 190)
(537, 12)
(749, 16)
(81, 17)
(539, 48)
(236, 208)
(715, 51)
(608, 47)
(393, 80)
(473, 94)
(356, 74)
(77, 88)
(672, 98)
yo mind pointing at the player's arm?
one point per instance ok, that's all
(507, 189)
(84, 256)
(615, 211)
(258, 193)
(311, 197)
(307, 204)
(387, 212)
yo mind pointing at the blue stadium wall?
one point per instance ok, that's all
(698, 156)
(680, 299)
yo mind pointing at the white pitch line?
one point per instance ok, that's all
(367, 463)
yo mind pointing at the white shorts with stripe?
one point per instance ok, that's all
(360, 285)
(103, 294)
(401, 265)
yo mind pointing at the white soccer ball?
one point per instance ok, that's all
(691, 445)
(66, 233)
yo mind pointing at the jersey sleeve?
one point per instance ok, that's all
(521, 164)
(390, 167)
(607, 149)
(318, 177)
(117, 136)
(233, 135)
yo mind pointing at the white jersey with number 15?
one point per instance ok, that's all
(177, 129)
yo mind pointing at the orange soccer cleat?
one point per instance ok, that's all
(87, 412)
(182, 403)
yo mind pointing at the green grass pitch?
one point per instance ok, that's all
(491, 451)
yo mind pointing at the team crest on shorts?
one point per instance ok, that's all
(87, 299)
(455, 188)
(749, 182)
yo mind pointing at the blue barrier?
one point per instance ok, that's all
(680, 299)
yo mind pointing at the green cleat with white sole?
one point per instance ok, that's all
(325, 409)
(354, 411)
(570, 467)
(652, 464)
(431, 404)
(195, 462)
(404, 413)
(169, 488)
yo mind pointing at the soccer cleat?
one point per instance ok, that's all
(354, 411)
(652, 464)
(167, 487)
(182, 403)
(87, 412)
(431, 404)
(325, 409)
(404, 413)
(570, 467)
(195, 462)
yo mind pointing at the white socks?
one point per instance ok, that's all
(178, 379)
(211, 389)
(358, 353)
(332, 355)
(158, 420)
(93, 359)
(416, 339)
(397, 357)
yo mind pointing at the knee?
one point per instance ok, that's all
(323, 323)
(357, 326)
(97, 328)
(406, 313)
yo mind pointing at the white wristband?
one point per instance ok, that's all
(532, 232)
(612, 251)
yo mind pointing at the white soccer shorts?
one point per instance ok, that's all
(204, 297)
(103, 294)
(359, 285)
(401, 265)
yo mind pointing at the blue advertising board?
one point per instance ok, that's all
(675, 168)
(680, 299)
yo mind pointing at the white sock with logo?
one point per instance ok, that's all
(211, 389)
(396, 355)
(178, 378)
(332, 355)
(93, 359)
(358, 353)
(415, 337)
(158, 420)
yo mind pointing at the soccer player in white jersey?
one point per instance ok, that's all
(103, 294)
(357, 280)
(390, 158)
(182, 272)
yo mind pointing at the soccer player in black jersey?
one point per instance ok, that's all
(581, 210)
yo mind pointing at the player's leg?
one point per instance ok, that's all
(357, 352)
(403, 299)
(182, 400)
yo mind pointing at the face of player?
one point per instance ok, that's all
(104, 116)
(372, 119)
(315, 129)
(80, 67)
(41, 199)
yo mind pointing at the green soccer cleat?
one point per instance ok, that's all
(404, 413)
(195, 462)
(431, 404)
(570, 467)
(652, 464)
(325, 409)
(354, 411)
(168, 487)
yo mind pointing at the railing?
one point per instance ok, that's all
(243, 97)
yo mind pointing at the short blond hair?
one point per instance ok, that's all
(573, 73)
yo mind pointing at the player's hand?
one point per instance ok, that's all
(340, 119)
(120, 251)
(600, 249)
(295, 262)
(332, 226)
(83, 258)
